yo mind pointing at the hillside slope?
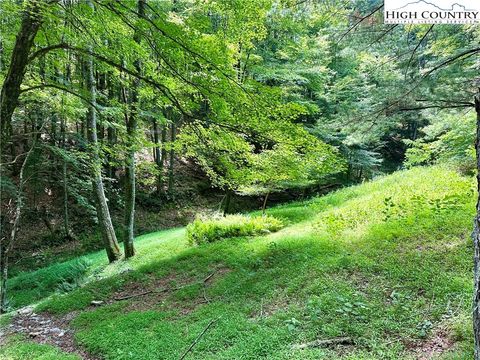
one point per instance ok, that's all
(386, 264)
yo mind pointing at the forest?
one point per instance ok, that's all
(237, 179)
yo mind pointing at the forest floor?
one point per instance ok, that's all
(376, 271)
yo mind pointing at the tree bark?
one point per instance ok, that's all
(3, 281)
(163, 158)
(66, 222)
(111, 132)
(111, 138)
(31, 22)
(264, 206)
(228, 199)
(172, 160)
(132, 121)
(6, 244)
(103, 212)
(476, 242)
(129, 205)
(160, 153)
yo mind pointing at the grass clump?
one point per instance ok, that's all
(29, 287)
(203, 231)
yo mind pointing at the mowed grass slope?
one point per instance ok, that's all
(387, 263)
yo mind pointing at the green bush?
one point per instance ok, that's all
(203, 231)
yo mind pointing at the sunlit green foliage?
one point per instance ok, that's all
(378, 262)
(263, 96)
(205, 230)
(448, 139)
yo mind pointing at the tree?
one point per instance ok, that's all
(32, 19)
(476, 241)
(7, 243)
(132, 121)
(103, 212)
(287, 167)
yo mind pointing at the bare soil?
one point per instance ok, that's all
(47, 329)
(435, 345)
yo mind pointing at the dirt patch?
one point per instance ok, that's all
(268, 308)
(436, 344)
(47, 329)
(150, 294)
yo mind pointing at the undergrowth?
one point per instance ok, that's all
(386, 263)
(208, 230)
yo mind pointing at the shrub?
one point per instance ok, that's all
(74, 276)
(203, 231)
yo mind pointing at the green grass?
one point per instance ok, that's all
(19, 349)
(387, 263)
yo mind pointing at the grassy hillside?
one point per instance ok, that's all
(386, 263)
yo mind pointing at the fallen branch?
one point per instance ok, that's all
(134, 295)
(198, 338)
(324, 343)
(208, 277)
(205, 296)
(148, 292)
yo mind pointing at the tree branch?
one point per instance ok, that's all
(45, 50)
(436, 107)
(465, 54)
(416, 48)
(198, 338)
(360, 20)
(55, 86)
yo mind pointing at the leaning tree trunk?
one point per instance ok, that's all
(103, 212)
(10, 92)
(264, 205)
(476, 242)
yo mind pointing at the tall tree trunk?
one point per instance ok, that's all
(129, 198)
(476, 242)
(103, 212)
(132, 121)
(111, 132)
(228, 199)
(31, 21)
(171, 180)
(159, 154)
(3, 279)
(63, 139)
(6, 244)
(264, 206)
(66, 222)
(112, 139)
(163, 157)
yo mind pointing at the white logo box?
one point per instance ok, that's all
(432, 11)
